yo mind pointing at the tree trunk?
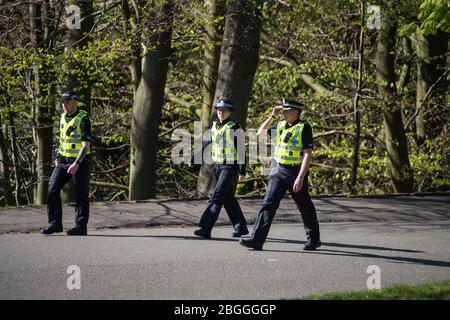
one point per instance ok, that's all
(357, 117)
(237, 68)
(147, 105)
(215, 9)
(135, 66)
(405, 74)
(44, 139)
(44, 111)
(14, 157)
(431, 62)
(4, 169)
(396, 143)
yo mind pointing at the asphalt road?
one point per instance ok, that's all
(171, 263)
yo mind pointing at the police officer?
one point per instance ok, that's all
(229, 163)
(72, 162)
(293, 154)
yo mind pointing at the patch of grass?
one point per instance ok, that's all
(431, 291)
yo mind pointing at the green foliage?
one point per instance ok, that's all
(433, 15)
(431, 164)
(313, 38)
(432, 291)
(13, 63)
(408, 29)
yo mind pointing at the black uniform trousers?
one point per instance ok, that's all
(281, 179)
(81, 182)
(227, 178)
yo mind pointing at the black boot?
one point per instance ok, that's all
(77, 231)
(252, 244)
(237, 234)
(312, 245)
(52, 229)
(202, 233)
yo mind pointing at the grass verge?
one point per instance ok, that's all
(432, 291)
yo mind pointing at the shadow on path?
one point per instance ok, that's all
(162, 236)
(396, 259)
(345, 245)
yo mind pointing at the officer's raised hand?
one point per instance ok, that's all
(277, 110)
(265, 125)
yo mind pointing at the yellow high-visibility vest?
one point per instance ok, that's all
(70, 135)
(289, 152)
(223, 149)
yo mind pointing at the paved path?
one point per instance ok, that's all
(170, 263)
(187, 213)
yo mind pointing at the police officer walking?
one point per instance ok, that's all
(229, 163)
(293, 155)
(72, 162)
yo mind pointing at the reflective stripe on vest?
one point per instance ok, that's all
(70, 135)
(223, 149)
(289, 152)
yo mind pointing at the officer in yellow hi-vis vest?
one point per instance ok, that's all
(228, 154)
(293, 154)
(72, 162)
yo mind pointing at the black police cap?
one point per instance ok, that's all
(69, 95)
(224, 103)
(291, 104)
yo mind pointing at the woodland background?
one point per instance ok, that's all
(375, 89)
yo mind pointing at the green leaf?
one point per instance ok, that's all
(408, 29)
